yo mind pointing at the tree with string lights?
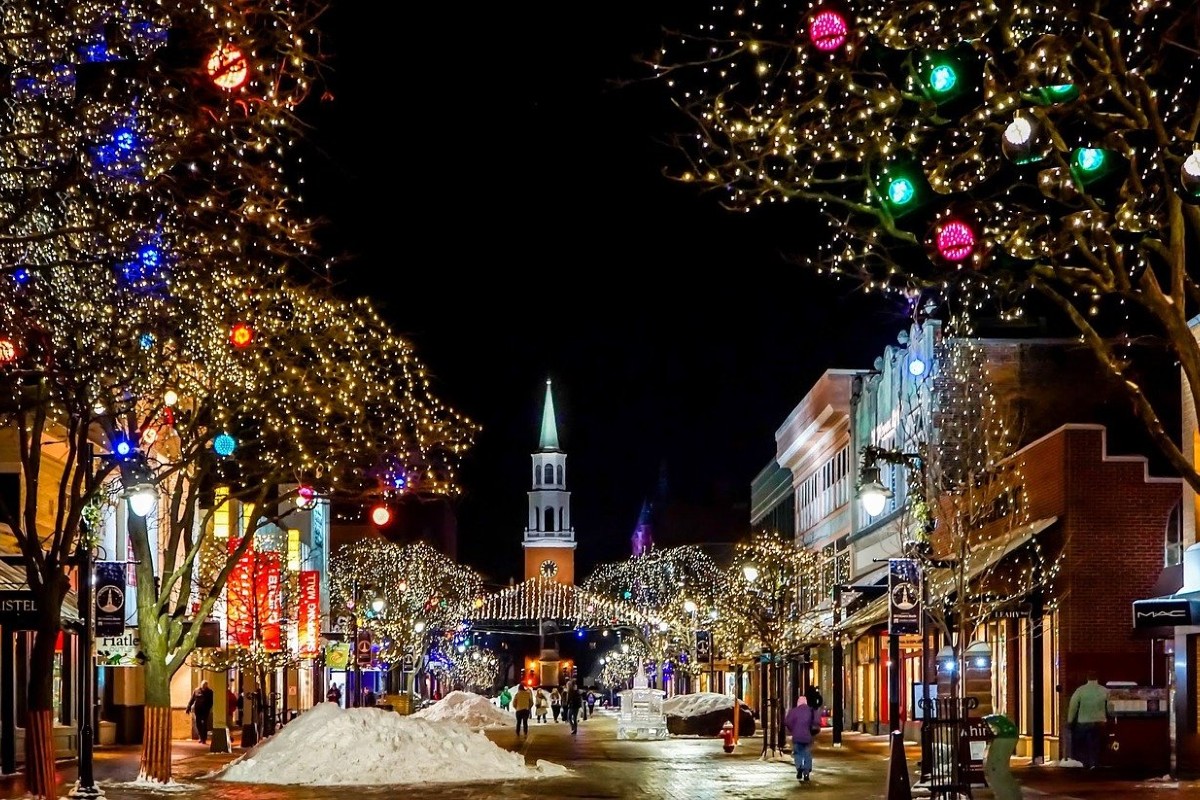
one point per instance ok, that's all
(152, 344)
(466, 667)
(673, 589)
(1037, 155)
(966, 505)
(140, 146)
(425, 597)
(764, 616)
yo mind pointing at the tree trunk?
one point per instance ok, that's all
(156, 736)
(40, 775)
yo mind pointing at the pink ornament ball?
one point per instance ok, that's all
(828, 31)
(955, 241)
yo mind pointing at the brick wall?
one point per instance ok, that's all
(1111, 528)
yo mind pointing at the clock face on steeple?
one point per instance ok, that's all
(549, 569)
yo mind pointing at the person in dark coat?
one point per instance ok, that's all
(813, 695)
(803, 724)
(201, 705)
(574, 703)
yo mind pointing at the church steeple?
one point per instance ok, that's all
(549, 438)
(549, 536)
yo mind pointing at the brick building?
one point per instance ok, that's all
(1094, 513)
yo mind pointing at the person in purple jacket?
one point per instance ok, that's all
(803, 724)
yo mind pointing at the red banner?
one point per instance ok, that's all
(269, 594)
(239, 617)
(309, 626)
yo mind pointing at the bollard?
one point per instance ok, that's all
(996, 768)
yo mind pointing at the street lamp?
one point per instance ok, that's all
(874, 496)
(378, 604)
(871, 491)
(750, 573)
(142, 498)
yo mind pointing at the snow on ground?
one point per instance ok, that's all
(467, 708)
(332, 746)
(694, 705)
(1066, 762)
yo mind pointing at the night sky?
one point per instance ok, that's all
(501, 198)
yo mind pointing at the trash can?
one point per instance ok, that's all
(996, 765)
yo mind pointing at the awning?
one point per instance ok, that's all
(866, 617)
(1156, 616)
(988, 554)
(984, 558)
(13, 577)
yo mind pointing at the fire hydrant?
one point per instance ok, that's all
(727, 737)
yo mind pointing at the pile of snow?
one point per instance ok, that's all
(332, 746)
(1066, 762)
(466, 708)
(695, 705)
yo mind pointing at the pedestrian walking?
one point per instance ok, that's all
(803, 724)
(542, 705)
(591, 702)
(556, 704)
(369, 699)
(1087, 715)
(201, 705)
(574, 703)
(522, 701)
(505, 699)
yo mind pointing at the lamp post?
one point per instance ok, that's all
(85, 785)
(874, 496)
(378, 605)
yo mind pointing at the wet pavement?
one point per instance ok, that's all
(604, 767)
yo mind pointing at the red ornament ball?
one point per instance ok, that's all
(227, 67)
(955, 240)
(241, 335)
(828, 31)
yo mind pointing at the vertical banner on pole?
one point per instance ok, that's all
(362, 648)
(309, 613)
(110, 598)
(239, 593)
(703, 647)
(904, 596)
(269, 595)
